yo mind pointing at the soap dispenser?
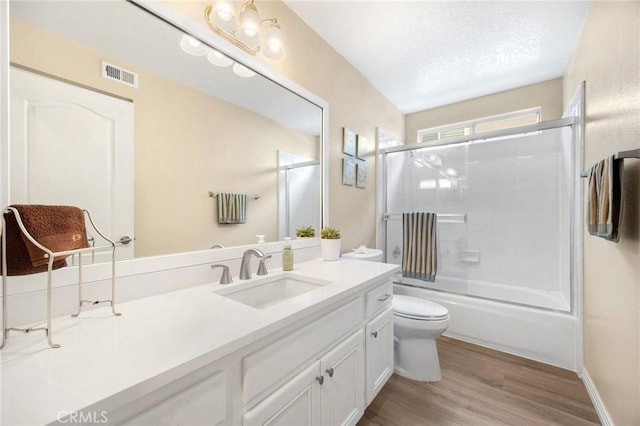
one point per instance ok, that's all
(287, 255)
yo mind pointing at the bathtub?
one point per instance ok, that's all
(539, 334)
(535, 298)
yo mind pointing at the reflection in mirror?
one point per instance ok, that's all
(298, 196)
(142, 146)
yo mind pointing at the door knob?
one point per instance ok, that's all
(329, 372)
(320, 379)
(374, 334)
(125, 239)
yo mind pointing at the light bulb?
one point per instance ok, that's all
(273, 43)
(242, 71)
(249, 19)
(218, 59)
(193, 46)
(274, 38)
(224, 10)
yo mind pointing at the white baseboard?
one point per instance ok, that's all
(603, 414)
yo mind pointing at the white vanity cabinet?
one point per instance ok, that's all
(328, 392)
(322, 372)
(337, 383)
(200, 398)
(196, 357)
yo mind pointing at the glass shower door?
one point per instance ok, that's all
(504, 206)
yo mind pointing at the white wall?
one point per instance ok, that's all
(607, 57)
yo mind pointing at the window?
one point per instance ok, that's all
(481, 125)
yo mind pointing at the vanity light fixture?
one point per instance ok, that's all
(195, 47)
(244, 32)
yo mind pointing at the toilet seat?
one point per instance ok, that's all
(418, 309)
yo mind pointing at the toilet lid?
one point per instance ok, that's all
(413, 307)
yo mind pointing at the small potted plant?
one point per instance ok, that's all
(305, 232)
(330, 243)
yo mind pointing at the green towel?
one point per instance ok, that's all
(232, 208)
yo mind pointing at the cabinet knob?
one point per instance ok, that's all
(383, 297)
(374, 334)
(320, 379)
(329, 372)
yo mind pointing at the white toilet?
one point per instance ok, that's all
(417, 325)
(372, 255)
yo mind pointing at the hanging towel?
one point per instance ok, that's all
(58, 228)
(419, 257)
(232, 208)
(604, 201)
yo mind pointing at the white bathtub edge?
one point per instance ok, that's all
(536, 334)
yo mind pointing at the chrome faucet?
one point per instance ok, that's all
(225, 278)
(262, 268)
(245, 266)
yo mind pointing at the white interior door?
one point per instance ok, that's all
(73, 146)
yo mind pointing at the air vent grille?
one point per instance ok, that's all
(116, 73)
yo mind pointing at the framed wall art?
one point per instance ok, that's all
(361, 174)
(348, 171)
(349, 142)
(362, 147)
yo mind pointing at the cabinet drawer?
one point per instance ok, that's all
(379, 298)
(274, 362)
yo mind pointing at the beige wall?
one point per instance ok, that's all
(547, 95)
(607, 58)
(353, 101)
(186, 144)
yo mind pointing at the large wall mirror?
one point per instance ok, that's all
(148, 146)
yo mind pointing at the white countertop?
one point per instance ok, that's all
(156, 338)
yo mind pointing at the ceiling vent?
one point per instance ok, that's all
(116, 73)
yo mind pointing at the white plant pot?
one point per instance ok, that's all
(330, 249)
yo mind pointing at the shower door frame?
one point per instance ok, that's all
(575, 192)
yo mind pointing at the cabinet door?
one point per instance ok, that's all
(296, 403)
(186, 403)
(379, 352)
(342, 391)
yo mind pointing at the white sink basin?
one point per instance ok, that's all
(263, 292)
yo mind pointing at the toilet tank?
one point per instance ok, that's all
(372, 255)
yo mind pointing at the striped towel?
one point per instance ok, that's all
(419, 257)
(232, 208)
(604, 200)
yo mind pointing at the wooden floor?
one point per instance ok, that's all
(481, 386)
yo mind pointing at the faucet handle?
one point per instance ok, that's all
(262, 268)
(225, 278)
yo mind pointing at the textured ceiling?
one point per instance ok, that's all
(424, 54)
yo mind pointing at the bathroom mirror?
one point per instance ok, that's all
(189, 124)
